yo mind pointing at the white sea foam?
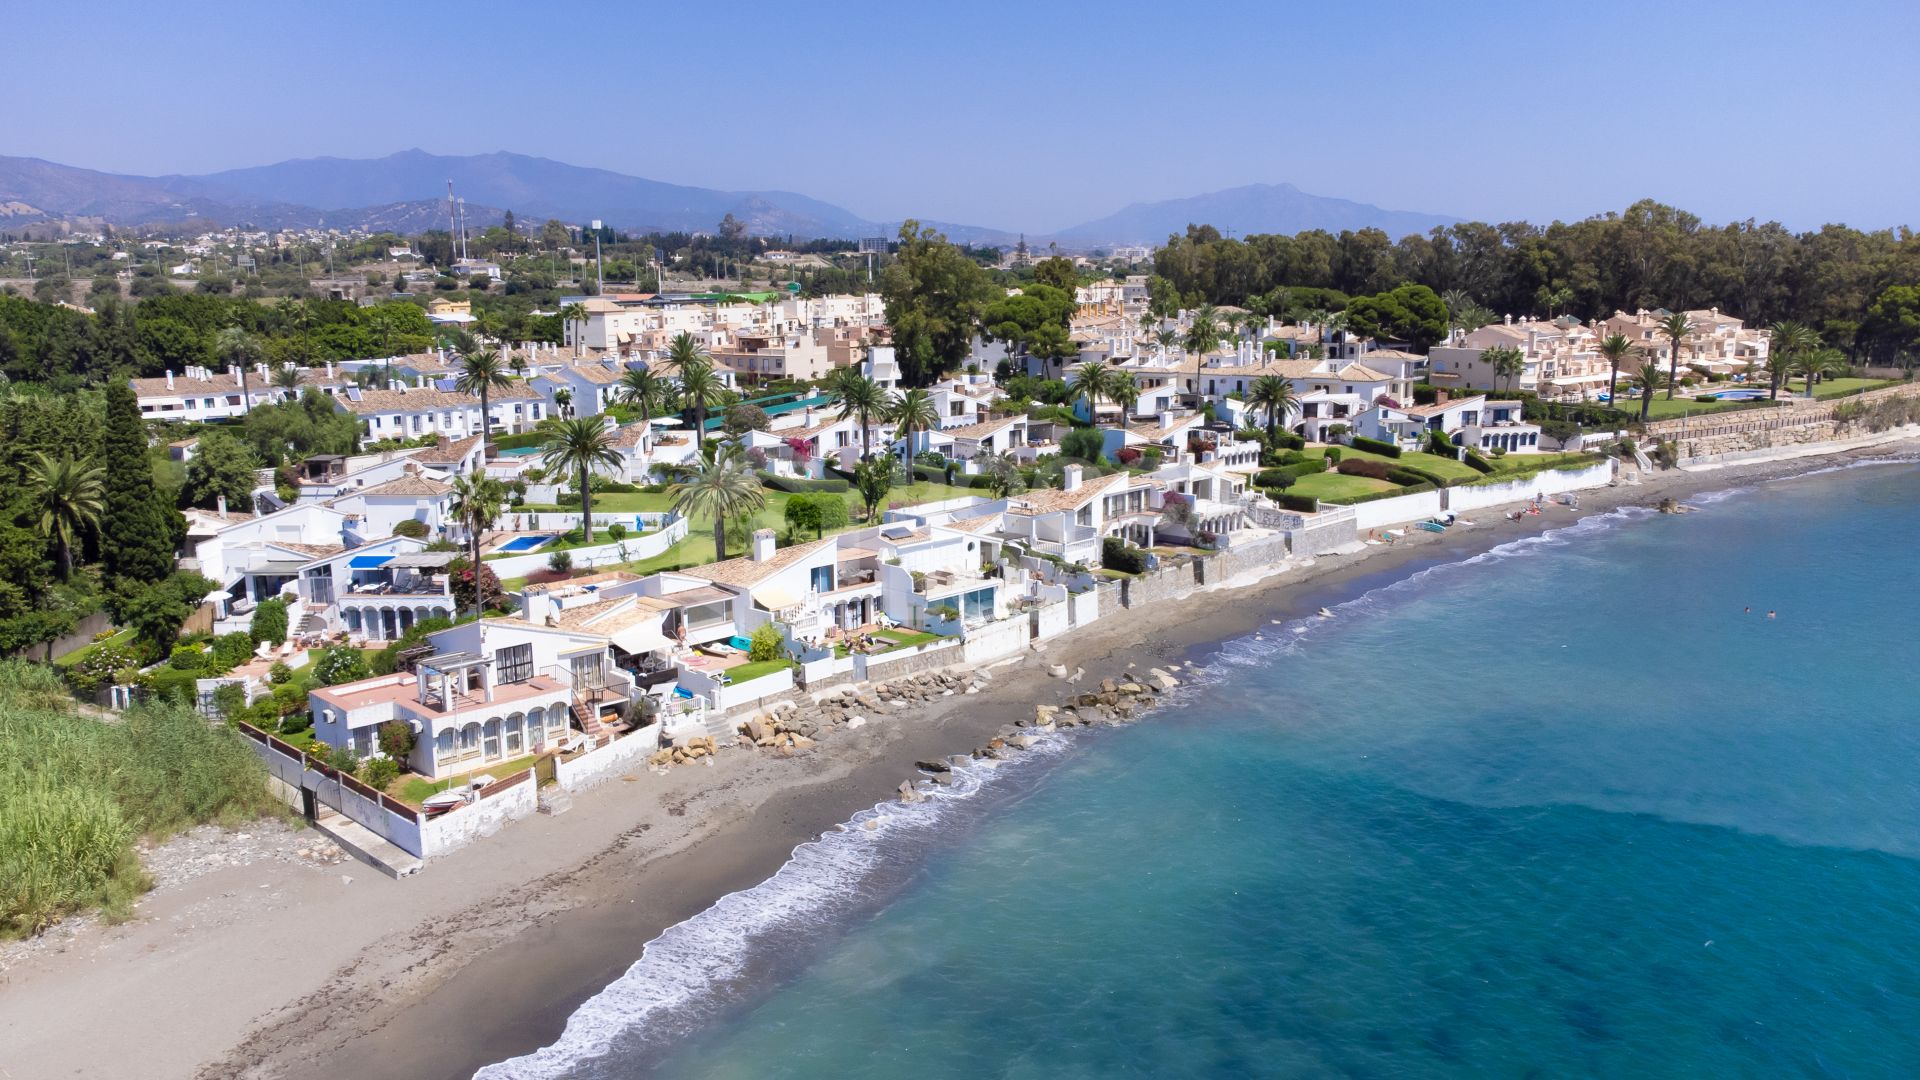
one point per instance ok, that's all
(692, 963)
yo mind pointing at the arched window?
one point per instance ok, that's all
(469, 737)
(514, 725)
(443, 744)
(536, 730)
(492, 738)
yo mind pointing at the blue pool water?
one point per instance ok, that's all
(525, 543)
(519, 451)
(1739, 395)
(1559, 810)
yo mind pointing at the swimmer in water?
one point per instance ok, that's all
(1769, 614)
(1746, 611)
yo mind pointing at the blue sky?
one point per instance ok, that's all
(1030, 115)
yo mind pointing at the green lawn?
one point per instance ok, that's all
(1662, 409)
(411, 789)
(754, 669)
(1333, 486)
(1832, 388)
(120, 637)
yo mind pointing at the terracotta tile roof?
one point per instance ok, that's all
(408, 485)
(982, 430)
(1052, 500)
(746, 573)
(312, 550)
(1362, 373)
(598, 374)
(629, 436)
(424, 400)
(452, 453)
(984, 523)
(1155, 432)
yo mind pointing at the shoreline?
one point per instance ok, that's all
(287, 970)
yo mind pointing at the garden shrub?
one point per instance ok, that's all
(410, 527)
(232, 650)
(765, 644)
(380, 772)
(396, 739)
(1306, 504)
(1334, 454)
(1375, 446)
(1117, 554)
(269, 622)
(1376, 470)
(187, 658)
(796, 484)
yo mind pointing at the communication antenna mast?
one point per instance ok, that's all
(453, 216)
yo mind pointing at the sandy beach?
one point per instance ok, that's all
(267, 960)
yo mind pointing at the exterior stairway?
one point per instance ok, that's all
(588, 717)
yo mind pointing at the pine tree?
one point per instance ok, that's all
(136, 540)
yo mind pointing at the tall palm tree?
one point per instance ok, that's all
(1203, 336)
(299, 313)
(579, 446)
(477, 503)
(241, 350)
(1273, 395)
(1615, 347)
(1677, 327)
(645, 388)
(1091, 380)
(69, 493)
(1649, 380)
(700, 385)
(575, 315)
(1124, 392)
(1167, 337)
(481, 372)
(1790, 341)
(1819, 364)
(722, 488)
(913, 412)
(286, 379)
(858, 397)
(1507, 362)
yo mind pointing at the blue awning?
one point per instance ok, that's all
(367, 562)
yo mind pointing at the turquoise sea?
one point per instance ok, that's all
(1562, 809)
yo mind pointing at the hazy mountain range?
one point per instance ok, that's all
(406, 192)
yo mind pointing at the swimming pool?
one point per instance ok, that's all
(519, 451)
(1738, 395)
(526, 543)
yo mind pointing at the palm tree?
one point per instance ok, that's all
(1507, 363)
(645, 388)
(1819, 364)
(1124, 392)
(575, 315)
(286, 379)
(1615, 347)
(1091, 380)
(1456, 301)
(1002, 475)
(481, 373)
(242, 350)
(1791, 341)
(1167, 337)
(913, 412)
(1203, 336)
(859, 397)
(70, 494)
(299, 313)
(700, 385)
(721, 488)
(1275, 396)
(1676, 327)
(477, 502)
(1649, 380)
(579, 446)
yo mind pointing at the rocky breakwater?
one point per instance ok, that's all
(1110, 702)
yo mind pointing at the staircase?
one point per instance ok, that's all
(588, 717)
(1640, 458)
(312, 620)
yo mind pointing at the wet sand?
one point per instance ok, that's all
(289, 970)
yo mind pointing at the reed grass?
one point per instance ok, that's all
(77, 792)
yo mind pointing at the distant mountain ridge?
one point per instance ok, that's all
(1254, 208)
(406, 192)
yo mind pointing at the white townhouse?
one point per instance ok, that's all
(1473, 422)
(204, 394)
(415, 496)
(375, 592)
(591, 387)
(413, 412)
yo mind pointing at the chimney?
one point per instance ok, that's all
(1070, 478)
(539, 605)
(1509, 319)
(220, 504)
(169, 378)
(329, 371)
(763, 545)
(1440, 397)
(234, 370)
(1166, 419)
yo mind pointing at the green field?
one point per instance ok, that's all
(1333, 486)
(1833, 388)
(1662, 409)
(411, 788)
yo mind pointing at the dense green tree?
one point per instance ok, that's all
(581, 446)
(1411, 313)
(815, 511)
(721, 489)
(914, 412)
(935, 296)
(1891, 328)
(221, 466)
(700, 385)
(68, 494)
(873, 478)
(1059, 273)
(136, 536)
(1036, 320)
(743, 417)
(860, 399)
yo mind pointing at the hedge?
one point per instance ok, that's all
(793, 484)
(1117, 554)
(939, 476)
(1374, 470)
(1271, 477)
(1375, 446)
(1303, 503)
(1409, 474)
(1476, 462)
(1412, 489)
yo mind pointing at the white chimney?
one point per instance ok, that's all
(1070, 478)
(234, 370)
(538, 605)
(329, 371)
(763, 545)
(220, 503)
(1165, 418)
(169, 378)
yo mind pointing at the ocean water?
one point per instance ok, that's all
(1562, 809)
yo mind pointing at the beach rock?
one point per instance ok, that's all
(943, 779)
(856, 722)
(908, 795)
(1087, 701)
(1162, 679)
(801, 742)
(1132, 689)
(1044, 713)
(935, 767)
(1107, 686)
(958, 761)
(758, 729)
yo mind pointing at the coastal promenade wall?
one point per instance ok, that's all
(1722, 439)
(596, 765)
(1552, 482)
